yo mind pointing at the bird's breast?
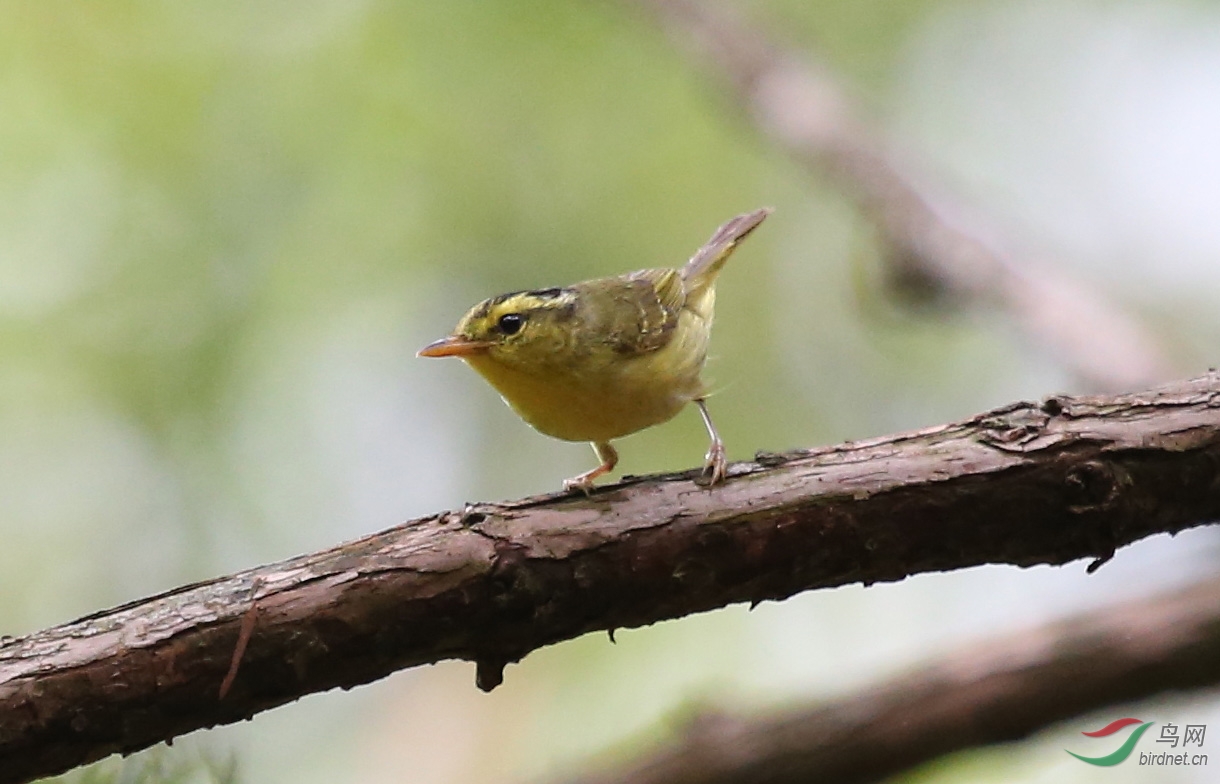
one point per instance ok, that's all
(601, 396)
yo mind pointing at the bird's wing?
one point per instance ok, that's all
(637, 313)
(667, 288)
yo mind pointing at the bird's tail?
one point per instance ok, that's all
(700, 272)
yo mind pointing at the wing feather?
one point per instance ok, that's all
(636, 313)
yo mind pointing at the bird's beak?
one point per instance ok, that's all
(453, 346)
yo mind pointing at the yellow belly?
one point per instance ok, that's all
(600, 400)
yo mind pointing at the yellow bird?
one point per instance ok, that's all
(604, 358)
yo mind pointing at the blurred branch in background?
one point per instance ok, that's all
(798, 103)
(1029, 483)
(999, 691)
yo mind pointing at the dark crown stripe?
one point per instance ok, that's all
(552, 293)
(486, 306)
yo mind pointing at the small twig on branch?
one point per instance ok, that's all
(1026, 484)
(997, 692)
(243, 639)
(798, 103)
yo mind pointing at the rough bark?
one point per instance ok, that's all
(798, 104)
(1030, 483)
(1000, 691)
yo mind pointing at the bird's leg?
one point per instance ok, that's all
(715, 465)
(584, 482)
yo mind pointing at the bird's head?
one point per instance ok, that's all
(520, 328)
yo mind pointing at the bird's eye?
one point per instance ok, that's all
(510, 323)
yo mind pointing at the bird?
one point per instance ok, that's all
(604, 358)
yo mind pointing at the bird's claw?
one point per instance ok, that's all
(716, 465)
(582, 483)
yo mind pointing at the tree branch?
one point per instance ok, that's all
(796, 101)
(1000, 691)
(1029, 483)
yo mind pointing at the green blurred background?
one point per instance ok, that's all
(226, 227)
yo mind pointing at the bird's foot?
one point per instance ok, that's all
(716, 465)
(583, 483)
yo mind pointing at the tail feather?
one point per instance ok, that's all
(701, 270)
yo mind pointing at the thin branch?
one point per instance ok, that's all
(1030, 483)
(796, 101)
(1000, 691)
